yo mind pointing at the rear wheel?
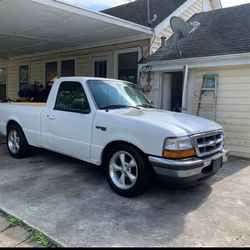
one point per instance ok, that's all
(16, 142)
(127, 171)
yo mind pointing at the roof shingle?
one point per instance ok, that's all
(222, 32)
(137, 11)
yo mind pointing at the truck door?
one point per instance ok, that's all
(68, 125)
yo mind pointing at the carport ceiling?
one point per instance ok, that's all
(35, 26)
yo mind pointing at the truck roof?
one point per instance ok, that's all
(85, 78)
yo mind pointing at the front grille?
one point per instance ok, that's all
(208, 143)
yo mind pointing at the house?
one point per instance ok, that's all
(216, 57)
(41, 40)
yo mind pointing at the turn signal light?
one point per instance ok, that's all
(179, 154)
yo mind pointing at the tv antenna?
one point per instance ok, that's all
(181, 29)
(150, 21)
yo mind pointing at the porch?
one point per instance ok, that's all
(44, 40)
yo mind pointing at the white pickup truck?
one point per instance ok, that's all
(111, 123)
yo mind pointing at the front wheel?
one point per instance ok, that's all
(127, 171)
(16, 142)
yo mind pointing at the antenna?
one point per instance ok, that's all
(150, 21)
(194, 25)
(181, 29)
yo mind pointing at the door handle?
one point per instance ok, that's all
(101, 128)
(51, 117)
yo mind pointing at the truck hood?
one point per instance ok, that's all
(176, 123)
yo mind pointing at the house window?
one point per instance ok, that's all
(101, 69)
(23, 76)
(63, 68)
(68, 68)
(101, 65)
(128, 66)
(51, 73)
(2, 84)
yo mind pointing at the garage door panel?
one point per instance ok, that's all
(239, 142)
(236, 129)
(234, 100)
(236, 135)
(233, 108)
(233, 115)
(236, 93)
(236, 86)
(234, 122)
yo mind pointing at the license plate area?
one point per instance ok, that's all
(214, 167)
(217, 164)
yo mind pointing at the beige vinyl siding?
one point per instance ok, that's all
(36, 72)
(233, 105)
(144, 83)
(83, 67)
(197, 7)
(82, 57)
(3, 63)
(211, 7)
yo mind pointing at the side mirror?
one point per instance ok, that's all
(81, 106)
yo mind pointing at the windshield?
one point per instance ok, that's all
(110, 94)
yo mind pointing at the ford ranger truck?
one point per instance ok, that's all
(110, 123)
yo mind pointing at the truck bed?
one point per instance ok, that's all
(27, 114)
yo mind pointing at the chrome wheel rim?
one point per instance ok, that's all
(123, 170)
(14, 141)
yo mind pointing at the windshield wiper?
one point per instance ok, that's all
(117, 106)
(147, 106)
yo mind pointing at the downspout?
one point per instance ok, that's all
(185, 90)
(148, 10)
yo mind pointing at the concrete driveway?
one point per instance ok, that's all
(71, 202)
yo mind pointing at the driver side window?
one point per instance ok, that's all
(72, 98)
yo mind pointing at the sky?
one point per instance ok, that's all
(104, 4)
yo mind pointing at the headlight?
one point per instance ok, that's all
(178, 148)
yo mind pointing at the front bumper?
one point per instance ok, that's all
(188, 170)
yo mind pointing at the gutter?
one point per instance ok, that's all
(200, 62)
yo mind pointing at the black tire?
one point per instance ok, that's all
(143, 180)
(23, 149)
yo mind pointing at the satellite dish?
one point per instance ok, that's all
(179, 27)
